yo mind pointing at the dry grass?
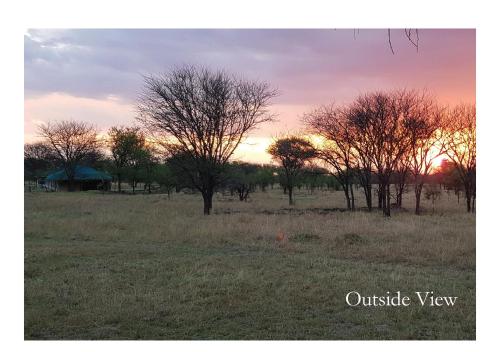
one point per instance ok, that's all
(145, 266)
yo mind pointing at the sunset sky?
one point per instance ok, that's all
(95, 75)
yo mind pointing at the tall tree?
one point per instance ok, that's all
(124, 143)
(337, 148)
(292, 153)
(72, 142)
(459, 138)
(380, 121)
(204, 115)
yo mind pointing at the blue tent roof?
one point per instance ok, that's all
(82, 173)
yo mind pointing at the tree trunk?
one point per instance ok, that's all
(290, 198)
(387, 210)
(418, 193)
(400, 187)
(399, 196)
(210, 198)
(206, 206)
(347, 197)
(352, 197)
(119, 176)
(369, 197)
(468, 199)
(380, 196)
(243, 193)
(207, 202)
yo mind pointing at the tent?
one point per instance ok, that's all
(86, 178)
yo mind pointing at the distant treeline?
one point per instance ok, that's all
(158, 174)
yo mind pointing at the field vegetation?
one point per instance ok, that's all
(102, 265)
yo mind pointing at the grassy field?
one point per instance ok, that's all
(109, 266)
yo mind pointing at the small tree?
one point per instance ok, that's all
(124, 142)
(140, 168)
(265, 177)
(164, 176)
(292, 153)
(72, 142)
(242, 178)
(203, 115)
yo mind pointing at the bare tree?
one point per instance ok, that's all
(337, 149)
(203, 115)
(292, 153)
(424, 131)
(459, 138)
(72, 142)
(380, 121)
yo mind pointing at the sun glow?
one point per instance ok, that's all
(254, 149)
(436, 163)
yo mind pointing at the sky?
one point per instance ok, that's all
(95, 75)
